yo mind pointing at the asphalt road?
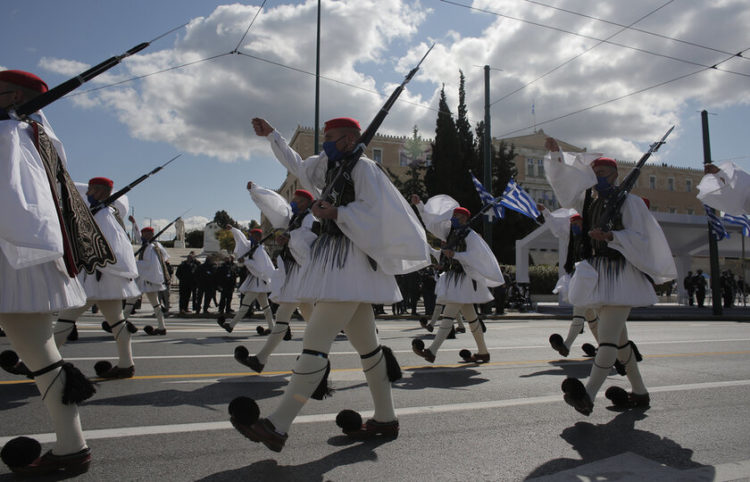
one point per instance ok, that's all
(504, 420)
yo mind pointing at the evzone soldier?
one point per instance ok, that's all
(297, 221)
(257, 284)
(352, 266)
(565, 226)
(152, 278)
(616, 273)
(41, 251)
(108, 286)
(429, 325)
(469, 269)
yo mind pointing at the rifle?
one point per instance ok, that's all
(250, 252)
(335, 187)
(463, 231)
(614, 202)
(140, 250)
(113, 197)
(43, 100)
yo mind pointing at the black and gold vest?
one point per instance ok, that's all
(85, 246)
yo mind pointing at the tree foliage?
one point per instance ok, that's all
(194, 238)
(222, 218)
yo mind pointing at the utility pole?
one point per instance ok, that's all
(487, 145)
(316, 142)
(713, 248)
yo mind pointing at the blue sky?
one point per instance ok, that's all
(203, 110)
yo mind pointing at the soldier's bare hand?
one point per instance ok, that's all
(261, 127)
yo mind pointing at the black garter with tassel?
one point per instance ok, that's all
(77, 387)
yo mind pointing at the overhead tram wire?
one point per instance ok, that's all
(579, 55)
(639, 91)
(248, 27)
(636, 29)
(637, 49)
(181, 65)
(149, 74)
(302, 71)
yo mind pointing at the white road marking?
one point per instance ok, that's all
(109, 433)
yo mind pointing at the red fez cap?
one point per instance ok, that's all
(102, 181)
(647, 202)
(147, 229)
(604, 161)
(464, 211)
(576, 217)
(341, 122)
(256, 231)
(24, 79)
(303, 193)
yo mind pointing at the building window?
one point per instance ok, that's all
(540, 167)
(403, 159)
(530, 168)
(377, 155)
(689, 185)
(670, 184)
(690, 211)
(652, 182)
(673, 210)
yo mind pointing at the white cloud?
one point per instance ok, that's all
(205, 108)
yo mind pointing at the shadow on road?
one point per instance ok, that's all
(600, 441)
(315, 470)
(440, 377)
(17, 395)
(567, 368)
(207, 396)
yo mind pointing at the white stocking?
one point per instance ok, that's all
(31, 337)
(611, 323)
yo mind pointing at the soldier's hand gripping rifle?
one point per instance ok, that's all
(334, 189)
(614, 203)
(115, 196)
(43, 100)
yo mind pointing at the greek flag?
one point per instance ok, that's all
(497, 212)
(714, 221)
(516, 199)
(743, 221)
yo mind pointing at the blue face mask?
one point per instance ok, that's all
(333, 152)
(455, 223)
(91, 199)
(576, 229)
(295, 208)
(603, 185)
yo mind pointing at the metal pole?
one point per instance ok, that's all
(487, 151)
(713, 248)
(742, 288)
(316, 142)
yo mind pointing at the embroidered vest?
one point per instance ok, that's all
(84, 244)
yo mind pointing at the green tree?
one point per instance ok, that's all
(194, 238)
(222, 218)
(414, 183)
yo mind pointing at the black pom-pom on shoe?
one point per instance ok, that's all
(557, 343)
(465, 355)
(244, 410)
(20, 452)
(102, 367)
(349, 421)
(589, 350)
(149, 330)
(576, 396)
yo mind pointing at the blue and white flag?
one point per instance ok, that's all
(518, 200)
(717, 227)
(497, 211)
(743, 221)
